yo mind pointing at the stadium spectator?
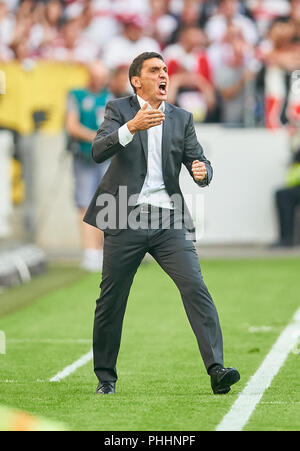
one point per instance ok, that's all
(25, 8)
(70, 45)
(99, 23)
(6, 53)
(265, 12)
(129, 7)
(46, 29)
(21, 52)
(123, 48)
(293, 18)
(119, 84)
(282, 58)
(228, 12)
(34, 28)
(207, 10)
(7, 24)
(161, 24)
(152, 183)
(287, 201)
(85, 113)
(12, 5)
(201, 9)
(22, 43)
(234, 69)
(189, 16)
(190, 73)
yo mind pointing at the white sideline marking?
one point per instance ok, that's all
(2, 342)
(73, 367)
(241, 410)
(254, 329)
(49, 340)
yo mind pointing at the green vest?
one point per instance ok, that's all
(90, 107)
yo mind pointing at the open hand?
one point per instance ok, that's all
(145, 119)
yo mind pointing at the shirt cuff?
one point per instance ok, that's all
(125, 137)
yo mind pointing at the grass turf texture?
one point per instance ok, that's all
(162, 383)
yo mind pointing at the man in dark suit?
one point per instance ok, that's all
(140, 207)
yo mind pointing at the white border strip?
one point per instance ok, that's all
(242, 409)
(48, 340)
(73, 367)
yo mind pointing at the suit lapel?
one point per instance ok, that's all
(167, 133)
(143, 133)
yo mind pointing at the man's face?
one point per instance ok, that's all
(153, 82)
(229, 8)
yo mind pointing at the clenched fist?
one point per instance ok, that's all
(145, 119)
(199, 170)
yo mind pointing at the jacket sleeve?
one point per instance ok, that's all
(106, 143)
(194, 151)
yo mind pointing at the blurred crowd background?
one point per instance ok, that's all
(235, 64)
(230, 61)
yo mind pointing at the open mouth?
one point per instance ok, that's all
(163, 88)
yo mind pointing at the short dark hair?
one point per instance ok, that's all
(137, 64)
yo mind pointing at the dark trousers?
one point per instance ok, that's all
(177, 256)
(287, 199)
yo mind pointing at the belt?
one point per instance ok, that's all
(147, 209)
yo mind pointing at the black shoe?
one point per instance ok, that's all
(221, 379)
(106, 388)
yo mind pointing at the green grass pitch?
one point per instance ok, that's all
(162, 383)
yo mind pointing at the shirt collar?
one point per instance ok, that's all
(142, 103)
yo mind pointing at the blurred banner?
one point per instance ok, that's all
(35, 96)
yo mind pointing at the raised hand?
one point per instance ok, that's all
(145, 119)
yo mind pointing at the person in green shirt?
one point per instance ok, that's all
(85, 113)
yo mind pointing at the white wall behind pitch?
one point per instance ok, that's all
(249, 165)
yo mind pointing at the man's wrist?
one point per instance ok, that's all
(125, 136)
(131, 127)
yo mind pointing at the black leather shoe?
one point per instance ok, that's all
(222, 378)
(106, 388)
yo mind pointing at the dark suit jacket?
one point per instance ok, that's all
(128, 165)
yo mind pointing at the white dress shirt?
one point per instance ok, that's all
(153, 191)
